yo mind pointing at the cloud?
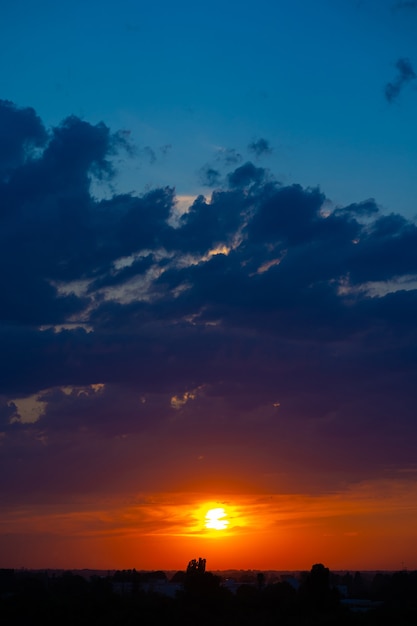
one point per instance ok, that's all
(209, 176)
(405, 75)
(150, 154)
(228, 156)
(260, 147)
(8, 413)
(22, 133)
(165, 149)
(246, 174)
(288, 328)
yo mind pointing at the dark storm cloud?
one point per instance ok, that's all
(48, 230)
(256, 306)
(245, 175)
(289, 213)
(404, 76)
(21, 131)
(260, 147)
(207, 225)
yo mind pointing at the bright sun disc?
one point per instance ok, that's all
(216, 519)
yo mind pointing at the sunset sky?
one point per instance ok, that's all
(209, 284)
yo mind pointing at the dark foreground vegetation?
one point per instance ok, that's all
(199, 598)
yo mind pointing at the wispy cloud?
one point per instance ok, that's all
(405, 75)
(260, 147)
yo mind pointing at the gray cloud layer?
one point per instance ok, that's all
(261, 320)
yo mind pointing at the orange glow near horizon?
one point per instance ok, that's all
(371, 526)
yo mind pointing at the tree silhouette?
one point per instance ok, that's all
(201, 586)
(315, 591)
(196, 567)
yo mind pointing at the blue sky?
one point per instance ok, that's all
(262, 340)
(307, 76)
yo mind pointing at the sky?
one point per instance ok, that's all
(209, 285)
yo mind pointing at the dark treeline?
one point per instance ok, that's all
(198, 597)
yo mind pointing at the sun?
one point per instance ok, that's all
(216, 519)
